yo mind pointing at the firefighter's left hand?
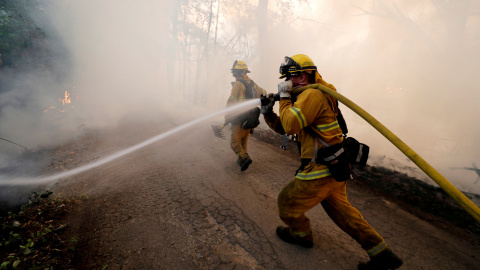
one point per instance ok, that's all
(268, 101)
(285, 88)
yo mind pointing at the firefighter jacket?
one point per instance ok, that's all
(315, 109)
(241, 91)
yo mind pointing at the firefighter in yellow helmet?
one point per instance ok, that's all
(312, 115)
(243, 89)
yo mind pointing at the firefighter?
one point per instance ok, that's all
(314, 183)
(243, 89)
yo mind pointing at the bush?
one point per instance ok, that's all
(21, 41)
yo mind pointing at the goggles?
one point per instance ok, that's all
(289, 67)
(292, 74)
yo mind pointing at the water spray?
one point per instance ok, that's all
(242, 106)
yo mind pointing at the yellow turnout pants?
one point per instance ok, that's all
(239, 140)
(299, 196)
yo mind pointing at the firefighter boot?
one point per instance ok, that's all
(284, 234)
(383, 261)
(244, 162)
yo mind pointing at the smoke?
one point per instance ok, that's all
(238, 108)
(119, 57)
(411, 64)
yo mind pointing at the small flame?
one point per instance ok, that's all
(67, 99)
(51, 107)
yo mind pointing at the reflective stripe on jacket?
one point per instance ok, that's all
(312, 108)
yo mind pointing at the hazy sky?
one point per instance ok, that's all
(405, 62)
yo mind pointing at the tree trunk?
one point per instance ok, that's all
(263, 46)
(172, 47)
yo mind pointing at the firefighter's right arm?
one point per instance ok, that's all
(307, 107)
(273, 121)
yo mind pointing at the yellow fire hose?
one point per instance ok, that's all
(450, 189)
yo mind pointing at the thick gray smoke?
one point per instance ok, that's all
(411, 64)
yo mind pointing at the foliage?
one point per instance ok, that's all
(19, 36)
(211, 32)
(241, 18)
(32, 238)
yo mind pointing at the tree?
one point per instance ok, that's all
(200, 45)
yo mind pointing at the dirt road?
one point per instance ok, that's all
(183, 203)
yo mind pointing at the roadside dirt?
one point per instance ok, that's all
(183, 203)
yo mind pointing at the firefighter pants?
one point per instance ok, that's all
(239, 140)
(299, 196)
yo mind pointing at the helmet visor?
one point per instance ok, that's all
(289, 66)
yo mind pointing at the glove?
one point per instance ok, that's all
(267, 103)
(285, 89)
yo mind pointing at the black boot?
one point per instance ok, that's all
(284, 234)
(383, 261)
(244, 163)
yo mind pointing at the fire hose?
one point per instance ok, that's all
(450, 189)
(15, 143)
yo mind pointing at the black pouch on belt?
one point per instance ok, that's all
(336, 160)
(357, 152)
(249, 119)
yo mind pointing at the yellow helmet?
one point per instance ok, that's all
(295, 65)
(240, 65)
